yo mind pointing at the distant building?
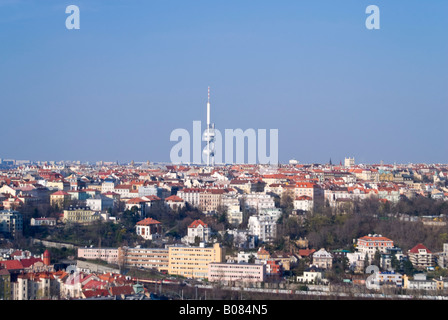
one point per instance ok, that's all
(110, 255)
(149, 229)
(303, 203)
(190, 195)
(197, 230)
(147, 258)
(323, 259)
(11, 222)
(264, 225)
(210, 200)
(81, 215)
(372, 243)
(100, 203)
(312, 275)
(59, 198)
(175, 202)
(419, 282)
(236, 272)
(349, 162)
(36, 222)
(421, 257)
(5, 284)
(255, 202)
(193, 262)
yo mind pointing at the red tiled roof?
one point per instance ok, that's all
(304, 198)
(96, 293)
(60, 193)
(126, 290)
(367, 238)
(151, 198)
(29, 262)
(418, 247)
(12, 264)
(306, 252)
(174, 198)
(147, 222)
(94, 284)
(197, 223)
(135, 201)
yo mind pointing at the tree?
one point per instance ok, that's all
(395, 263)
(287, 202)
(377, 258)
(408, 268)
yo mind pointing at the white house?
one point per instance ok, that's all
(197, 229)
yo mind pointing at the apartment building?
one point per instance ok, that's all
(210, 200)
(372, 243)
(60, 198)
(110, 255)
(236, 272)
(11, 222)
(193, 262)
(421, 257)
(303, 203)
(190, 195)
(264, 224)
(148, 258)
(82, 215)
(255, 202)
(32, 286)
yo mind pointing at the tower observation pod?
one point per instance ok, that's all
(209, 136)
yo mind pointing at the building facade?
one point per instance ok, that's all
(81, 215)
(11, 222)
(149, 229)
(193, 262)
(369, 245)
(110, 255)
(236, 272)
(148, 258)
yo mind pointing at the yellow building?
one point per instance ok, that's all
(80, 215)
(59, 198)
(193, 262)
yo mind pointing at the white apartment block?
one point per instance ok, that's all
(264, 225)
(110, 255)
(148, 258)
(11, 222)
(303, 203)
(100, 203)
(372, 243)
(190, 195)
(254, 202)
(236, 272)
(107, 186)
(43, 221)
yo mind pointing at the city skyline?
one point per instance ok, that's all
(116, 88)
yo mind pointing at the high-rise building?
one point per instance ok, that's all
(349, 162)
(11, 222)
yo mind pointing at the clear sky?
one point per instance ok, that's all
(136, 70)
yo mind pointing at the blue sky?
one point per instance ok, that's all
(136, 70)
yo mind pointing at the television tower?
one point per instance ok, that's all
(209, 136)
